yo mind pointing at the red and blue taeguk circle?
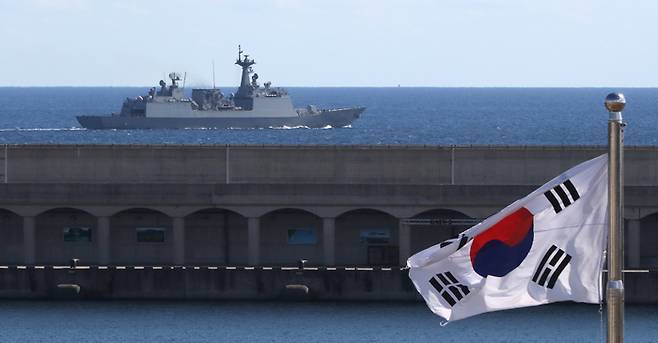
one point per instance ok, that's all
(500, 249)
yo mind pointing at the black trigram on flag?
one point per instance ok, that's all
(551, 266)
(461, 238)
(562, 195)
(449, 288)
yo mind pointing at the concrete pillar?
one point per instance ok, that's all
(103, 241)
(253, 245)
(179, 240)
(29, 241)
(633, 243)
(329, 240)
(404, 241)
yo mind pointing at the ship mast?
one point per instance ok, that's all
(245, 89)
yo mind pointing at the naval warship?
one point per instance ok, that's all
(252, 106)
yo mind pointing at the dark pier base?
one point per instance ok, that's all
(233, 283)
(208, 283)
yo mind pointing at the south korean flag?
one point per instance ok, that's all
(544, 248)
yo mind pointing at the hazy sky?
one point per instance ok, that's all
(332, 43)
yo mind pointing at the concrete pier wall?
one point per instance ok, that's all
(422, 165)
(342, 206)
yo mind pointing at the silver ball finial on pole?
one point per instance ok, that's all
(615, 102)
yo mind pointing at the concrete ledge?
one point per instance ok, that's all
(224, 282)
(307, 164)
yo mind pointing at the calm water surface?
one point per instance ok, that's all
(118, 321)
(532, 116)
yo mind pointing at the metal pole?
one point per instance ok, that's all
(615, 103)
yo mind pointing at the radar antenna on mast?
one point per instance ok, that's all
(174, 76)
(246, 87)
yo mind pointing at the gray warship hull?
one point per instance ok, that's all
(252, 106)
(334, 118)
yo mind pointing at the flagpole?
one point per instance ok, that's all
(615, 103)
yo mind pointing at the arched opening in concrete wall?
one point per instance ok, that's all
(215, 236)
(141, 236)
(367, 237)
(648, 241)
(450, 224)
(289, 235)
(11, 241)
(62, 234)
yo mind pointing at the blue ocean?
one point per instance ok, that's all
(123, 321)
(424, 116)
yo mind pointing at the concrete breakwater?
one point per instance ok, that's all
(335, 206)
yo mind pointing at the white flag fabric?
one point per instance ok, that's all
(544, 248)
